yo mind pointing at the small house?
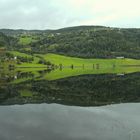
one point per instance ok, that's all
(120, 57)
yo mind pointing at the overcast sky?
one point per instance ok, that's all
(53, 14)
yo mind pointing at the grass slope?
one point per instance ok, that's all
(76, 62)
(26, 40)
(68, 61)
(34, 62)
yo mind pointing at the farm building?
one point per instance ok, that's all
(120, 57)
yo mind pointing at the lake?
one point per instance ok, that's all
(70, 104)
(53, 122)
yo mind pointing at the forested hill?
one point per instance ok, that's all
(84, 41)
(3, 40)
(7, 41)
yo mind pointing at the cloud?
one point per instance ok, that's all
(45, 14)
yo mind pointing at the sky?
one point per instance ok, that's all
(55, 14)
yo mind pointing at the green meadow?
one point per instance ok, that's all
(80, 66)
(26, 40)
(33, 64)
(66, 61)
(80, 62)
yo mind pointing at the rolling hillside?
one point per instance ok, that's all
(81, 41)
(27, 60)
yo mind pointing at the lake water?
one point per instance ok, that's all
(69, 105)
(53, 122)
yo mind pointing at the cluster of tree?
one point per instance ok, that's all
(4, 56)
(4, 41)
(7, 41)
(42, 61)
(9, 55)
(19, 58)
(25, 59)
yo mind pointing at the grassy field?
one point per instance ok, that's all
(34, 62)
(81, 66)
(79, 62)
(26, 40)
(66, 61)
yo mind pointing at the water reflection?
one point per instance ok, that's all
(74, 87)
(57, 86)
(57, 122)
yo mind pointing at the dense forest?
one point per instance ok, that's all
(7, 41)
(81, 41)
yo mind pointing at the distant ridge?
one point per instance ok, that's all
(78, 41)
(65, 29)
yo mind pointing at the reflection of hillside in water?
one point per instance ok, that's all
(25, 74)
(87, 90)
